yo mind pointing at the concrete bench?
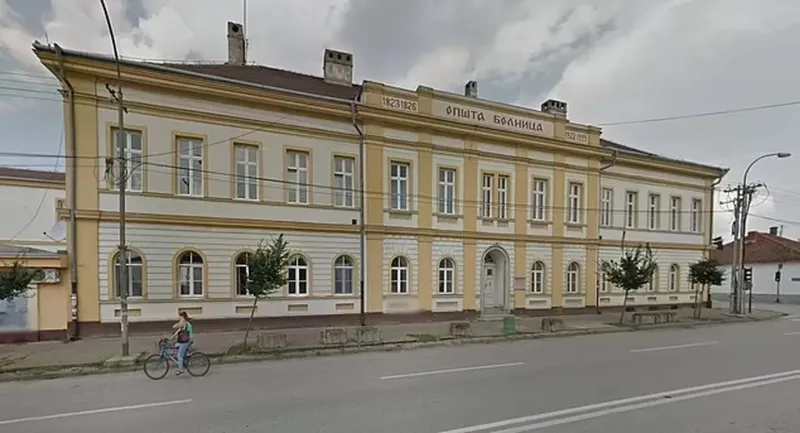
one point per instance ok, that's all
(276, 340)
(368, 335)
(333, 336)
(654, 317)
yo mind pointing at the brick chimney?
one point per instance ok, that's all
(555, 107)
(337, 67)
(236, 44)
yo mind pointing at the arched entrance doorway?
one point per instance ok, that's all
(494, 280)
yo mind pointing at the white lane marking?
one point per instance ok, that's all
(93, 412)
(680, 346)
(621, 409)
(623, 401)
(792, 333)
(795, 320)
(793, 316)
(452, 370)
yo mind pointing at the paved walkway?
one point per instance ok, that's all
(61, 355)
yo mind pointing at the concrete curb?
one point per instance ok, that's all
(99, 367)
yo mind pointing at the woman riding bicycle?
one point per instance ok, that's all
(185, 337)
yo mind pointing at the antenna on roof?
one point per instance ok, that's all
(244, 27)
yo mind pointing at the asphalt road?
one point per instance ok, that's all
(741, 378)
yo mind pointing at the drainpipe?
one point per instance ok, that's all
(613, 162)
(711, 231)
(362, 198)
(73, 333)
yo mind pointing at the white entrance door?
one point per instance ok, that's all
(489, 300)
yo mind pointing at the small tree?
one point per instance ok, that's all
(267, 273)
(14, 282)
(705, 272)
(634, 269)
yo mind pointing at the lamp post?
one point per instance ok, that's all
(744, 207)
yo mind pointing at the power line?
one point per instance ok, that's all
(706, 114)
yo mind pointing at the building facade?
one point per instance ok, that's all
(29, 199)
(469, 205)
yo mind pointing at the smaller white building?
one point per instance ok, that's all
(29, 199)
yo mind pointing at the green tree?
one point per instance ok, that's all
(704, 273)
(14, 282)
(266, 273)
(633, 270)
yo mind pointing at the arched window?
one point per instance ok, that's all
(652, 286)
(537, 277)
(399, 275)
(343, 275)
(242, 269)
(674, 278)
(447, 273)
(190, 274)
(135, 275)
(573, 278)
(297, 280)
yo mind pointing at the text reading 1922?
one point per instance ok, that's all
(399, 104)
(577, 137)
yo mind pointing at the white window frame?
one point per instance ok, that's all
(190, 166)
(674, 278)
(187, 275)
(539, 200)
(447, 274)
(447, 191)
(134, 160)
(574, 203)
(603, 282)
(652, 285)
(631, 208)
(238, 268)
(399, 175)
(487, 195)
(573, 278)
(246, 171)
(653, 211)
(537, 277)
(297, 176)
(675, 214)
(343, 275)
(696, 222)
(398, 276)
(297, 276)
(344, 168)
(503, 188)
(606, 207)
(135, 272)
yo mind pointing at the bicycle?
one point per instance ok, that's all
(167, 353)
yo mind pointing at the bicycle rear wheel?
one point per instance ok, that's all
(198, 364)
(155, 366)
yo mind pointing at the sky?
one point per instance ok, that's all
(615, 62)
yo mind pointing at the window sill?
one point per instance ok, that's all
(539, 223)
(447, 295)
(448, 218)
(298, 204)
(575, 226)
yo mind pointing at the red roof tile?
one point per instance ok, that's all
(762, 248)
(10, 173)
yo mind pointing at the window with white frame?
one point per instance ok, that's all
(297, 276)
(135, 274)
(503, 185)
(631, 208)
(399, 174)
(653, 211)
(652, 285)
(296, 177)
(343, 178)
(242, 267)
(447, 273)
(606, 207)
(398, 274)
(134, 152)
(539, 200)
(343, 268)
(674, 278)
(190, 166)
(537, 277)
(574, 203)
(573, 278)
(447, 191)
(603, 282)
(695, 215)
(190, 274)
(675, 214)
(487, 193)
(246, 171)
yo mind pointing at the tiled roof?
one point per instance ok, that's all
(608, 144)
(11, 251)
(10, 173)
(762, 248)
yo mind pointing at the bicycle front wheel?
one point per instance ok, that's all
(198, 364)
(155, 366)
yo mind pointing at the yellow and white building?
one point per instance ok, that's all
(470, 205)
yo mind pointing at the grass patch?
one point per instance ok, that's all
(424, 338)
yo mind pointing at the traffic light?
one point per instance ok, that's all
(777, 276)
(748, 274)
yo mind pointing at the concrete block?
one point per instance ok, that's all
(368, 335)
(552, 324)
(333, 336)
(459, 329)
(272, 340)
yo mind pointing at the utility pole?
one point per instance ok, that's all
(746, 200)
(734, 295)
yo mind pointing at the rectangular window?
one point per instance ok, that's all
(487, 193)
(246, 171)
(190, 166)
(503, 184)
(297, 177)
(696, 211)
(399, 175)
(539, 202)
(606, 207)
(675, 214)
(603, 282)
(343, 178)
(631, 208)
(653, 211)
(447, 191)
(133, 159)
(574, 204)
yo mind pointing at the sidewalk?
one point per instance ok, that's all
(58, 355)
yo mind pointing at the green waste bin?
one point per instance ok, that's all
(509, 325)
